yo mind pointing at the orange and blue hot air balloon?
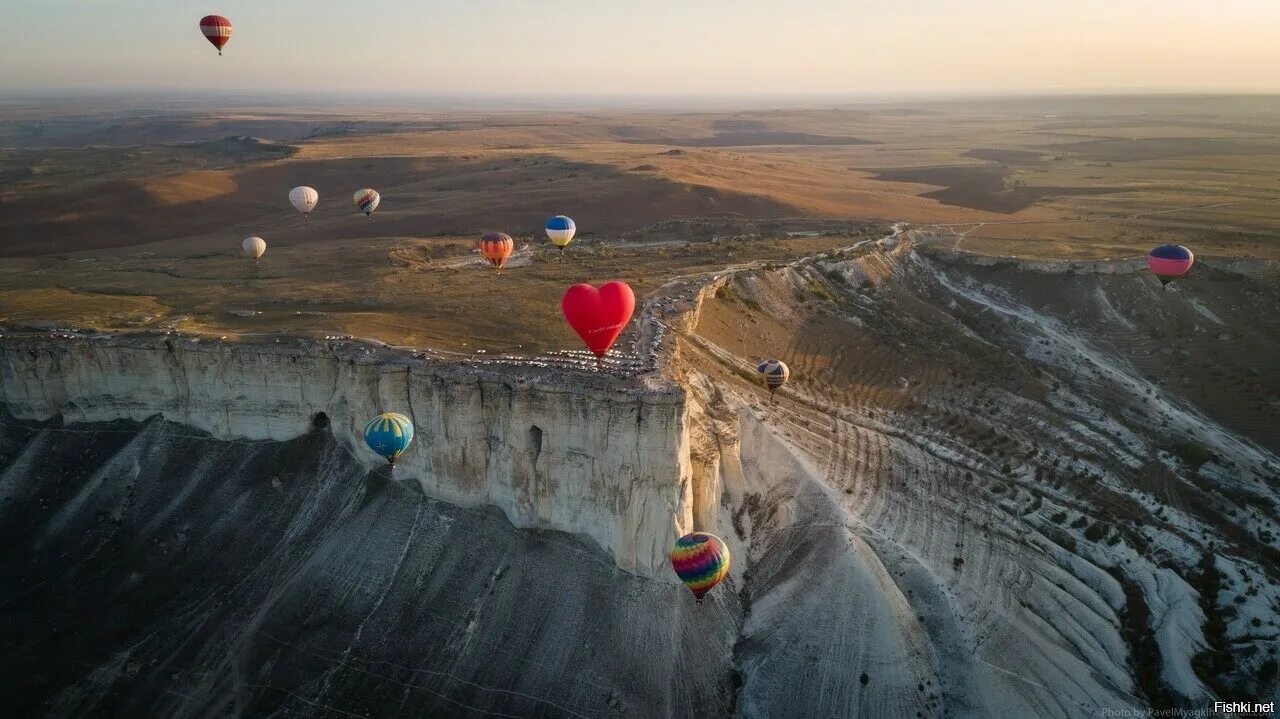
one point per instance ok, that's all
(389, 435)
(701, 560)
(497, 247)
(1169, 262)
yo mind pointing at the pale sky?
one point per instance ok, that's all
(620, 47)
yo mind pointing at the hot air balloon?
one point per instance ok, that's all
(389, 435)
(560, 230)
(304, 199)
(367, 200)
(701, 560)
(598, 315)
(216, 29)
(1169, 262)
(497, 247)
(254, 247)
(775, 374)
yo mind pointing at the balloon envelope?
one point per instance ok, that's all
(304, 198)
(366, 200)
(1169, 262)
(775, 373)
(254, 247)
(389, 435)
(216, 29)
(497, 247)
(599, 315)
(560, 230)
(701, 560)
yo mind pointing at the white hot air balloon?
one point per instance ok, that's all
(304, 198)
(254, 247)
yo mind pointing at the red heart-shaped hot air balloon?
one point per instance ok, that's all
(599, 315)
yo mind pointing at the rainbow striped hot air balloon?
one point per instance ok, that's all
(560, 231)
(389, 435)
(497, 247)
(366, 201)
(701, 560)
(775, 374)
(1169, 262)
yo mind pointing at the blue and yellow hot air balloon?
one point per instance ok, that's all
(389, 435)
(701, 560)
(560, 231)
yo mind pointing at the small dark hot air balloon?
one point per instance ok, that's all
(701, 560)
(1169, 262)
(217, 30)
(598, 315)
(775, 374)
(497, 247)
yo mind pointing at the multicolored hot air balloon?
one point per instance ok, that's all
(389, 435)
(1169, 262)
(701, 560)
(598, 315)
(304, 199)
(366, 200)
(254, 247)
(216, 29)
(775, 374)
(560, 231)
(497, 247)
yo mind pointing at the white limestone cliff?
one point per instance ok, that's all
(603, 458)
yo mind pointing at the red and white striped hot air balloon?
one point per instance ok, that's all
(216, 29)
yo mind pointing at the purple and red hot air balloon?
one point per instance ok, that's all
(216, 29)
(1169, 262)
(701, 560)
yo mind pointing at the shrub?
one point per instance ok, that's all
(1096, 531)
(1193, 453)
(819, 290)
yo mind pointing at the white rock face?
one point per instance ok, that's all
(594, 457)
